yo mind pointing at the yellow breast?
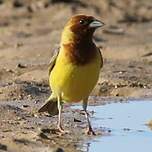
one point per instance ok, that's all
(74, 82)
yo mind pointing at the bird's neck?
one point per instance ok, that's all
(80, 50)
(77, 39)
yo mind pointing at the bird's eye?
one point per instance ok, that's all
(82, 21)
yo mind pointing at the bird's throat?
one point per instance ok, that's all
(78, 48)
(80, 52)
(79, 38)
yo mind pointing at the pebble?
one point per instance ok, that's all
(19, 65)
(19, 44)
(25, 106)
(4, 147)
(56, 150)
(43, 136)
(76, 120)
(18, 3)
(9, 70)
(1, 1)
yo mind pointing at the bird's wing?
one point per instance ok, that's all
(53, 60)
(100, 57)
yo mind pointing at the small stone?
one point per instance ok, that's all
(9, 70)
(35, 115)
(116, 86)
(19, 118)
(1, 1)
(120, 72)
(45, 130)
(18, 3)
(19, 44)
(109, 131)
(150, 123)
(76, 120)
(25, 106)
(3, 147)
(43, 136)
(19, 65)
(144, 87)
(32, 8)
(56, 150)
(126, 129)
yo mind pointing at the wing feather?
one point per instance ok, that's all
(53, 60)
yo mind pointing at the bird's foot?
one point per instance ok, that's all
(62, 131)
(90, 131)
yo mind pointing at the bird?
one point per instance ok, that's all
(75, 67)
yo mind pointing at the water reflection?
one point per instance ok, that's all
(127, 122)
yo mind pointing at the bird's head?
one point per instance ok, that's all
(80, 27)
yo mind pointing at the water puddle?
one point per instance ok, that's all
(127, 122)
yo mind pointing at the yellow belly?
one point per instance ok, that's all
(74, 82)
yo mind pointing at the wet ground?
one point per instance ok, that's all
(120, 125)
(126, 124)
(29, 33)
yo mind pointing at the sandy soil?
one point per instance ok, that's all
(29, 33)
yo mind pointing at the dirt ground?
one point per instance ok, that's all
(29, 33)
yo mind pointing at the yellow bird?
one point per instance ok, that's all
(75, 68)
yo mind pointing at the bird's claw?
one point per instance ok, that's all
(90, 131)
(62, 131)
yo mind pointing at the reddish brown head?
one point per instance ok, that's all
(80, 27)
(76, 38)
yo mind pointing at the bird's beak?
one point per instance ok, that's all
(96, 24)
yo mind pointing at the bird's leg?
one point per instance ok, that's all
(89, 129)
(59, 126)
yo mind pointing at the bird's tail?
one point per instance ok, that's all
(50, 106)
